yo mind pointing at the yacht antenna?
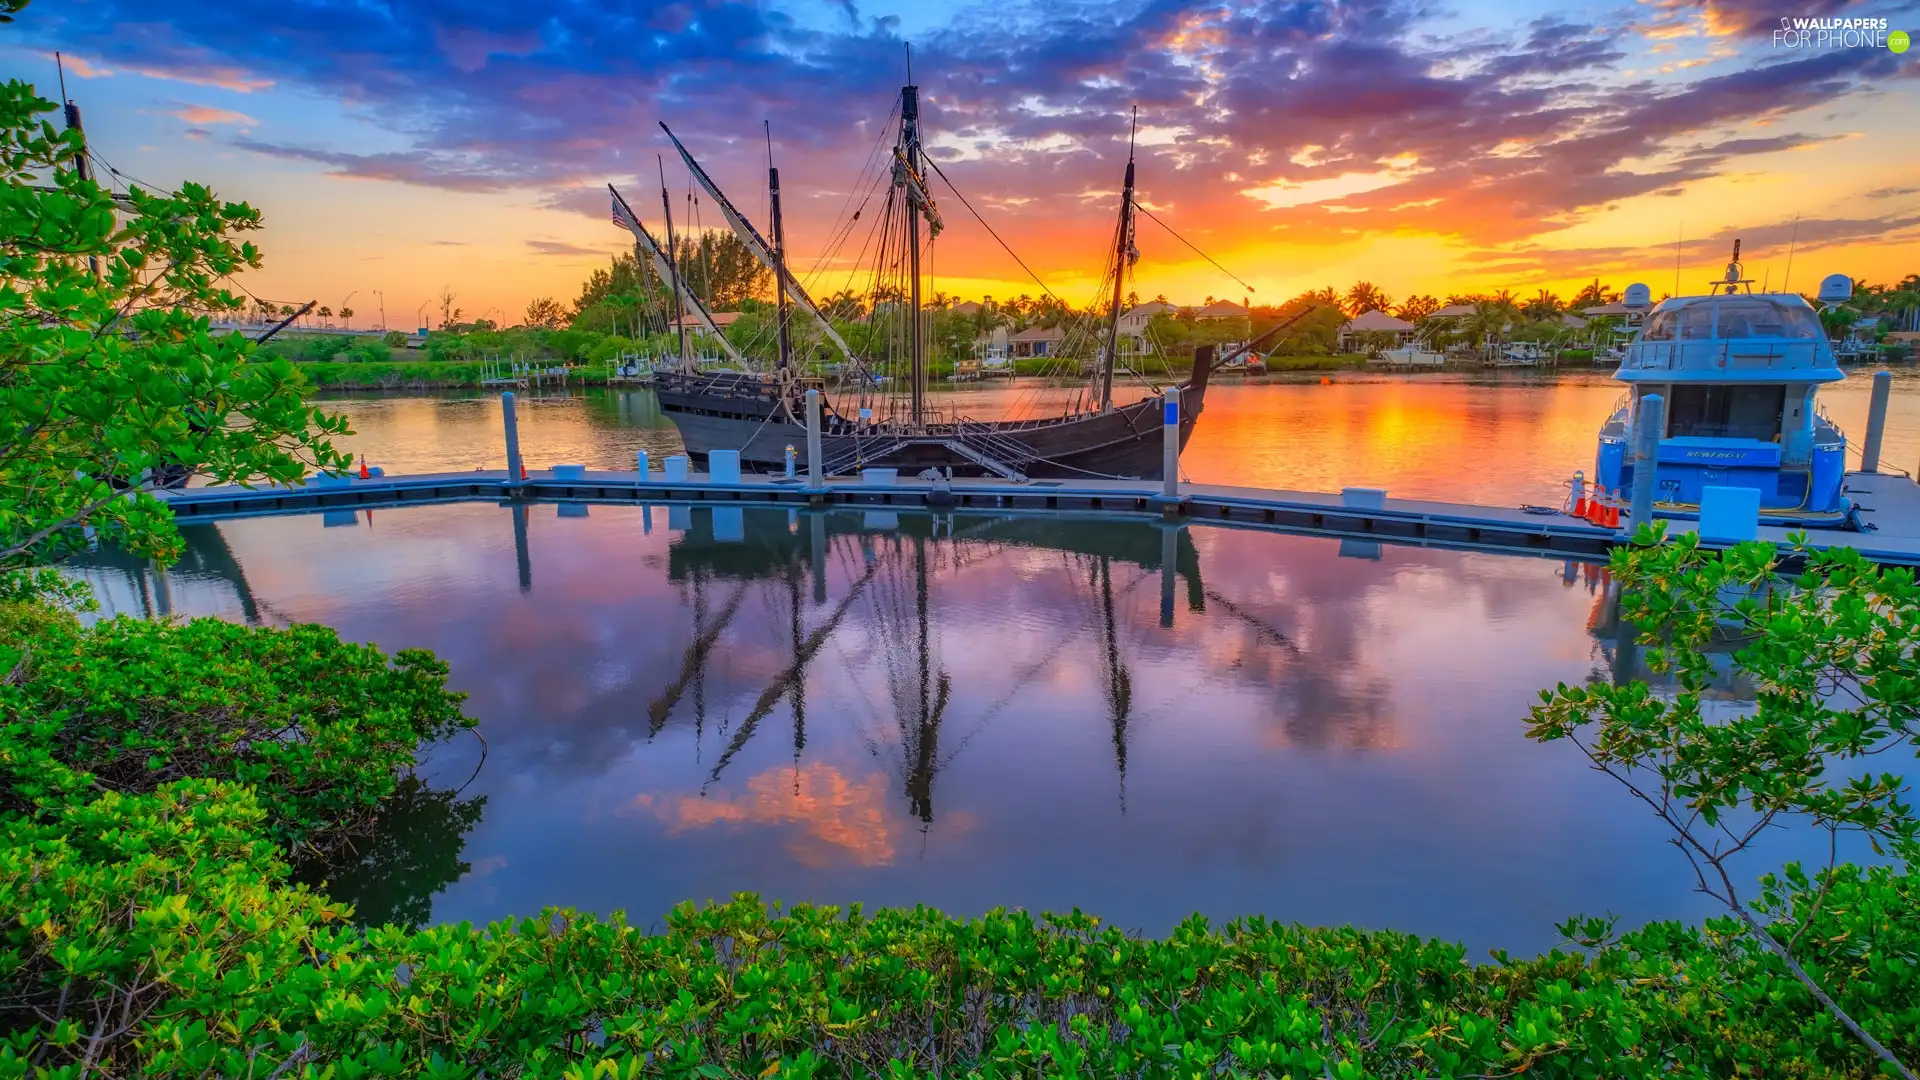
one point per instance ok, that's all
(1791, 241)
(1677, 241)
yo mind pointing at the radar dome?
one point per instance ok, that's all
(1836, 289)
(1638, 295)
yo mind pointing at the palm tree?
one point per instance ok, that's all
(1904, 305)
(1328, 295)
(1592, 294)
(1365, 296)
(1836, 320)
(325, 313)
(346, 315)
(1415, 308)
(1487, 322)
(1543, 305)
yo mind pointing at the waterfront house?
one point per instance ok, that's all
(1036, 341)
(721, 319)
(1223, 309)
(1134, 322)
(1374, 322)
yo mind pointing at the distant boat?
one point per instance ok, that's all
(1739, 372)
(1410, 355)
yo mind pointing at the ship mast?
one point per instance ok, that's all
(910, 155)
(784, 359)
(673, 261)
(1123, 256)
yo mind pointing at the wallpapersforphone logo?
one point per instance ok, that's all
(1822, 32)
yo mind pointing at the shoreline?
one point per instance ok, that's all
(328, 378)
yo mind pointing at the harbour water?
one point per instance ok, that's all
(1493, 439)
(967, 711)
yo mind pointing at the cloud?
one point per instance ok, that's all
(561, 247)
(407, 167)
(80, 65)
(1490, 138)
(1891, 192)
(202, 115)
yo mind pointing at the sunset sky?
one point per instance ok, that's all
(398, 146)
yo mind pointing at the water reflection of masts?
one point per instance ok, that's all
(693, 663)
(923, 742)
(783, 683)
(1119, 679)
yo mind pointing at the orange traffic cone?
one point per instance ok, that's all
(1580, 503)
(364, 474)
(1613, 510)
(523, 470)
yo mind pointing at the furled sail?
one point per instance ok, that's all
(758, 245)
(624, 216)
(905, 177)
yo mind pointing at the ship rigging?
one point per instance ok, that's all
(761, 413)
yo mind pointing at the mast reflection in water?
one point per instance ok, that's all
(976, 710)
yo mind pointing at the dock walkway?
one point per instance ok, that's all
(1889, 503)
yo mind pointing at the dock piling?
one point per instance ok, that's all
(641, 463)
(1170, 445)
(514, 467)
(1876, 421)
(1648, 425)
(815, 479)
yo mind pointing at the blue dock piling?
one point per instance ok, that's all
(1170, 446)
(1876, 421)
(515, 468)
(815, 478)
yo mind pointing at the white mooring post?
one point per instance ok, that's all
(815, 479)
(1650, 422)
(514, 467)
(1876, 421)
(1170, 444)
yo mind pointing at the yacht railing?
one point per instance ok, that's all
(1731, 355)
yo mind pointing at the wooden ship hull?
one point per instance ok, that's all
(751, 414)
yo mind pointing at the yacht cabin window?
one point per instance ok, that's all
(1733, 317)
(1725, 412)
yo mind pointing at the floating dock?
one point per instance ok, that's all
(1889, 505)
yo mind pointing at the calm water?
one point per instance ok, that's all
(1495, 440)
(969, 711)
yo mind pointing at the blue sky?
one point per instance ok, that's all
(407, 145)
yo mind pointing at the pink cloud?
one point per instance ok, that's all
(201, 115)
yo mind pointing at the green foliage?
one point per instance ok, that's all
(319, 727)
(1830, 652)
(106, 379)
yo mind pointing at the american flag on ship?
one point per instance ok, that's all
(623, 216)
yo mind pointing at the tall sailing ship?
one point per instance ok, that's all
(763, 414)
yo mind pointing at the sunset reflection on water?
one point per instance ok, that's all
(974, 711)
(1495, 439)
